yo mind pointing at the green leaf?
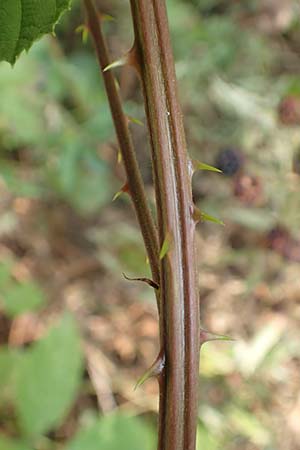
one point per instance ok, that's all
(114, 432)
(5, 367)
(48, 378)
(24, 21)
(9, 359)
(20, 298)
(11, 444)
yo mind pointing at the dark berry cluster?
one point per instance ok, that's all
(230, 161)
(280, 240)
(289, 110)
(248, 189)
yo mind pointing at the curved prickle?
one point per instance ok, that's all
(154, 371)
(206, 336)
(198, 165)
(151, 283)
(129, 59)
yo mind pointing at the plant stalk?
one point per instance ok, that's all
(134, 179)
(179, 316)
(179, 303)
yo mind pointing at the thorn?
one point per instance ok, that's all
(80, 28)
(117, 195)
(207, 218)
(119, 157)
(124, 189)
(134, 120)
(85, 32)
(130, 59)
(151, 283)
(200, 216)
(106, 17)
(120, 62)
(206, 336)
(198, 165)
(165, 246)
(117, 85)
(155, 370)
(191, 169)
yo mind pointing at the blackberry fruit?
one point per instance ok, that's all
(292, 250)
(230, 161)
(248, 189)
(289, 110)
(277, 239)
(280, 241)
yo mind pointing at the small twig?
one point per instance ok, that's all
(134, 179)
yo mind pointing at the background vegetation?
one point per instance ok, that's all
(74, 334)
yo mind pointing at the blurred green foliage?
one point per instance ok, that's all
(112, 431)
(18, 298)
(58, 114)
(54, 360)
(43, 380)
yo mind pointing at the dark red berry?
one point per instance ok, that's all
(230, 161)
(248, 189)
(280, 240)
(292, 250)
(277, 239)
(289, 110)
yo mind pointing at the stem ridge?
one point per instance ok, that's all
(179, 320)
(174, 268)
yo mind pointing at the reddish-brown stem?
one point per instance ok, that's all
(134, 179)
(179, 318)
(179, 303)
